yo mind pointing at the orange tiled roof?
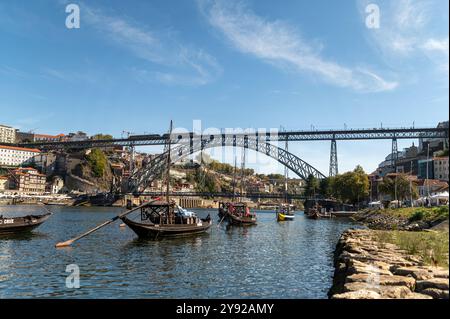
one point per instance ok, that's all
(20, 148)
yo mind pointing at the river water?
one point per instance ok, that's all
(271, 260)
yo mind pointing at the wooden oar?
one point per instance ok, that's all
(71, 241)
(221, 220)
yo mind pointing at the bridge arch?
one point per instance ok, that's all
(141, 178)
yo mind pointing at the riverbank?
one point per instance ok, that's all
(409, 219)
(368, 265)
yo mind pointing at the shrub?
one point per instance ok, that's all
(97, 161)
(417, 215)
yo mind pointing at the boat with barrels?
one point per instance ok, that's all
(237, 214)
(161, 219)
(317, 212)
(13, 225)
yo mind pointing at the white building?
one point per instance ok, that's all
(56, 185)
(7, 134)
(16, 156)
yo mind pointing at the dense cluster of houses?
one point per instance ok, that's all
(425, 168)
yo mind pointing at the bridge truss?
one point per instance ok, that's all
(142, 178)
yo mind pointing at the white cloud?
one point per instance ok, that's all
(411, 29)
(281, 44)
(437, 45)
(187, 65)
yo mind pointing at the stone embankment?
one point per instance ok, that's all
(368, 269)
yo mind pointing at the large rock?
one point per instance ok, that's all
(415, 295)
(360, 294)
(435, 293)
(440, 272)
(395, 280)
(394, 292)
(416, 272)
(438, 283)
(375, 279)
(370, 268)
(358, 285)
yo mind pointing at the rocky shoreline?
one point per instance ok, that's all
(368, 269)
(376, 220)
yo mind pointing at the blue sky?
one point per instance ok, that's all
(135, 65)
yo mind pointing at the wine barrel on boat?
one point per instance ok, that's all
(13, 225)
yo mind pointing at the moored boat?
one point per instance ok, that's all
(285, 212)
(237, 214)
(165, 219)
(13, 225)
(317, 212)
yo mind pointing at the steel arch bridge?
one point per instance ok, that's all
(141, 178)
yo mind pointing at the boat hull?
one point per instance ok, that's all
(284, 217)
(241, 221)
(16, 225)
(153, 231)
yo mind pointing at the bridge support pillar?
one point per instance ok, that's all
(394, 154)
(333, 159)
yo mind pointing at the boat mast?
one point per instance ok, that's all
(168, 163)
(242, 172)
(234, 178)
(286, 174)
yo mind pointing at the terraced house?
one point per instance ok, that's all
(27, 180)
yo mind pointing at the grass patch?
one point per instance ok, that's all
(431, 247)
(412, 214)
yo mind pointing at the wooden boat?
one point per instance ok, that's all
(237, 214)
(165, 219)
(317, 212)
(13, 225)
(285, 212)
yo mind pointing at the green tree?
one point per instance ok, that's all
(351, 187)
(398, 187)
(97, 161)
(102, 137)
(325, 187)
(312, 186)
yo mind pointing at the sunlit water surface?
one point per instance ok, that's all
(271, 260)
